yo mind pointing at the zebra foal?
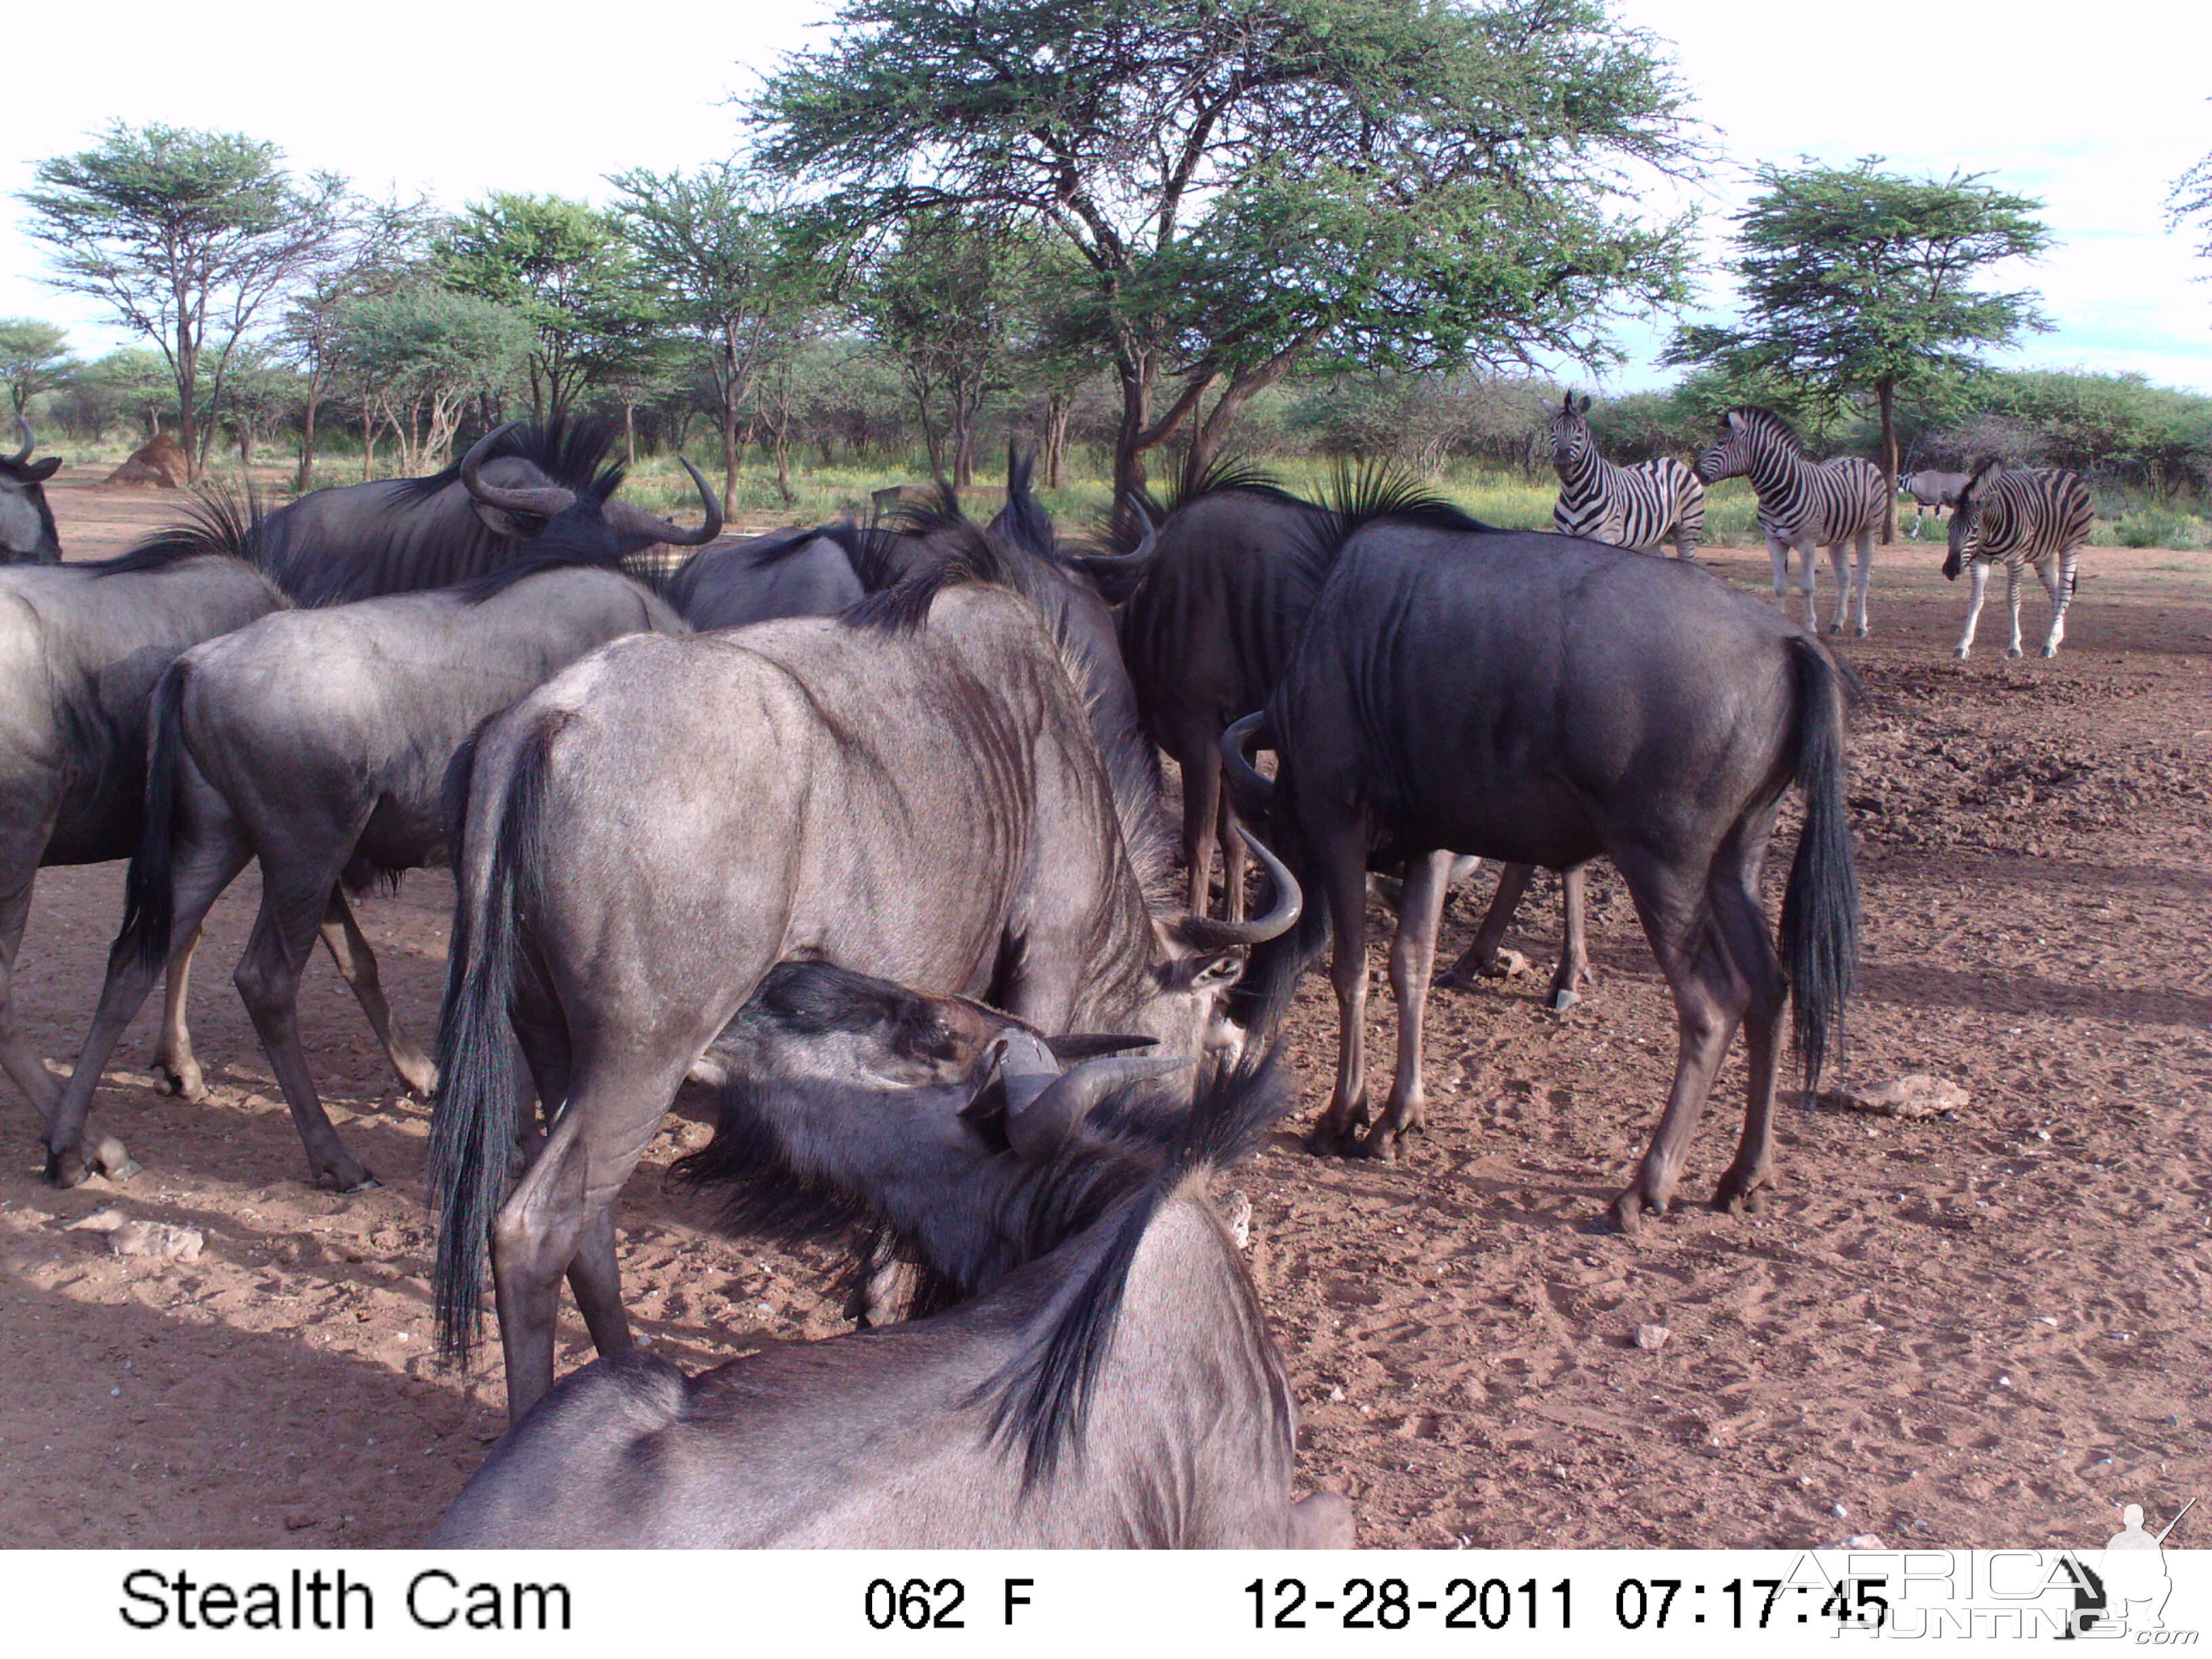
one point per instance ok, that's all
(1803, 505)
(2033, 516)
(1632, 507)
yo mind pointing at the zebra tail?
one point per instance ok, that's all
(1821, 906)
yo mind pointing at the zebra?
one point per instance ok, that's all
(1935, 491)
(1803, 505)
(1631, 506)
(2033, 516)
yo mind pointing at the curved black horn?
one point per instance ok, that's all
(640, 522)
(544, 501)
(1138, 557)
(29, 442)
(1244, 777)
(1282, 915)
(1042, 1111)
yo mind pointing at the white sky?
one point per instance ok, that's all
(2093, 109)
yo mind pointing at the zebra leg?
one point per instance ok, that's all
(1978, 576)
(1809, 552)
(1860, 577)
(1839, 561)
(2060, 585)
(2012, 604)
(1777, 550)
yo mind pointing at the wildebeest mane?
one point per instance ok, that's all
(571, 452)
(1222, 475)
(1372, 492)
(966, 557)
(218, 521)
(1044, 1398)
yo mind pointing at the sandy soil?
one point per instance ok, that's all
(1982, 1331)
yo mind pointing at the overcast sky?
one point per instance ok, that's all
(2095, 118)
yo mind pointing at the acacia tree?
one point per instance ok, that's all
(724, 243)
(1253, 182)
(1859, 283)
(186, 234)
(2191, 198)
(419, 356)
(34, 357)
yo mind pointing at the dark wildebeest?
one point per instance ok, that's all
(27, 534)
(1226, 577)
(740, 580)
(1112, 1385)
(1931, 491)
(316, 742)
(913, 788)
(1545, 700)
(81, 647)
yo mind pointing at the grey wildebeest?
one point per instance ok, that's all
(27, 533)
(1225, 579)
(1804, 505)
(912, 789)
(316, 742)
(81, 647)
(1931, 491)
(2038, 517)
(1111, 1383)
(741, 580)
(1543, 701)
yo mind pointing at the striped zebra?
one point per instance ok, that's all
(1802, 506)
(2037, 517)
(1632, 507)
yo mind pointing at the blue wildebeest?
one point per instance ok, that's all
(1930, 490)
(2037, 517)
(1620, 506)
(27, 533)
(81, 647)
(1111, 1383)
(1539, 701)
(316, 742)
(913, 788)
(740, 580)
(1224, 581)
(1803, 506)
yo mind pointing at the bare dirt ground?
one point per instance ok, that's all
(1983, 1331)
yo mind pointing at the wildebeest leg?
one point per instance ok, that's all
(2012, 604)
(356, 963)
(1978, 577)
(1234, 860)
(1573, 970)
(173, 1061)
(208, 852)
(596, 1278)
(1203, 803)
(16, 1056)
(1743, 921)
(1343, 856)
(1413, 954)
(292, 903)
(1709, 995)
(885, 1286)
(2059, 584)
(1475, 960)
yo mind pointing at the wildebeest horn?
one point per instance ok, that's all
(544, 501)
(1282, 915)
(1138, 557)
(1044, 1105)
(640, 522)
(1088, 1045)
(29, 442)
(1246, 778)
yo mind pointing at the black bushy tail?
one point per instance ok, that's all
(149, 888)
(472, 1128)
(1820, 908)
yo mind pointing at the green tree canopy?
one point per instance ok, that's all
(420, 354)
(565, 267)
(1252, 181)
(1859, 283)
(186, 234)
(34, 357)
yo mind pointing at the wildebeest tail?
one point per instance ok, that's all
(149, 887)
(472, 1129)
(1820, 906)
(1045, 1397)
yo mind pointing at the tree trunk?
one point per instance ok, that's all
(630, 429)
(188, 417)
(1885, 392)
(305, 479)
(1056, 411)
(367, 439)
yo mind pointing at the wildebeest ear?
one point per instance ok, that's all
(1215, 967)
(517, 526)
(42, 470)
(1084, 1045)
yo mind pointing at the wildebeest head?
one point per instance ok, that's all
(1965, 526)
(1741, 428)
(551, 520)
(1570, 432)
(27, 533)
(1203, 960)
(981, 1142)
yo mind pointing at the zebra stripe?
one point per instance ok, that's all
(1632, 507)
(2040, 516)
(1803, 505)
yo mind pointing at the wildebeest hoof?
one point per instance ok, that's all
(112, 1160)
(333, 1181)
(1629, 1210)
(66, 1169)
(1742, 1195)
(1559, 1001)
(423, 1083)
(184, 1082)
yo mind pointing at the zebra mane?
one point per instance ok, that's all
(1995, 463)
(1767, 419)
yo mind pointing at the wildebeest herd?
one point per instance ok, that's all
(860, 827)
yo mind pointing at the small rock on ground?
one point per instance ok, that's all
(1915, 1096)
